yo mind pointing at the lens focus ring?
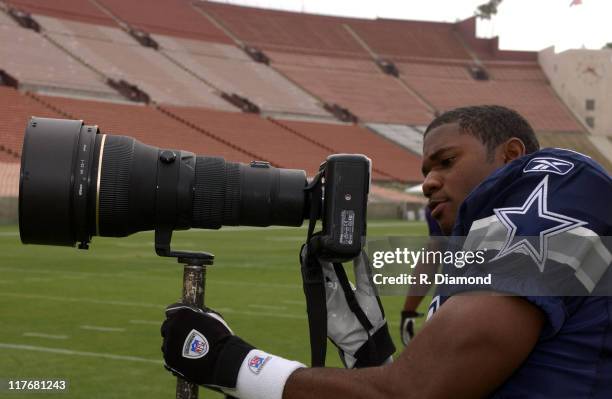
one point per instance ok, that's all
(114, 185)
(209, 192)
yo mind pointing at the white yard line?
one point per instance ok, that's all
(267, 307)
(101, 328)
(143, 305)
(61, 351)
(290, 302)
(42, 335)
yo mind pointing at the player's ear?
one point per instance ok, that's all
(512, 149)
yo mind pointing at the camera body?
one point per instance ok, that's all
(345, 199)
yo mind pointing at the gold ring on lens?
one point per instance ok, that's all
(98, 185)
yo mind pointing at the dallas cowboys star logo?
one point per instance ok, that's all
(530, 226)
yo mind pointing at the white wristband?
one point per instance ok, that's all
(263, 376)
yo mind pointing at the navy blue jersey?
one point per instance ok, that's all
(432, 225)
(553, 209)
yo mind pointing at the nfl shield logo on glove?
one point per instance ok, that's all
(256, 363)
(195, 346)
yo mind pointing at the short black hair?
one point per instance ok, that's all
(491, 124)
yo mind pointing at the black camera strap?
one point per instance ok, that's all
(313, 283)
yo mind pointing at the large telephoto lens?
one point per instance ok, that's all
(76, 182)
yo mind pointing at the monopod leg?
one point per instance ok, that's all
(194, 276)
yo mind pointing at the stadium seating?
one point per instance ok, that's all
(387, 158)
(406, 136)
(516, 71)
(145, 123)
(366, 92)
(314, 60)
(160, 78)
(35, 61)
(75, 10)
(415, 40)
(232, 71)
(167, 17)
(76, 29)
(265, 140)
(286, 31)
(15, 111)
(534, 100)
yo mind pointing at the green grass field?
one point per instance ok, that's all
(93, 317)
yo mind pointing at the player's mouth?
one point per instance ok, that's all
(436, 207)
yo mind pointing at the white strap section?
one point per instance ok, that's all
(263, 376)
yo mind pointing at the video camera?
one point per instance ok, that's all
(76, 183)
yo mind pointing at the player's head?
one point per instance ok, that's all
(462, 147)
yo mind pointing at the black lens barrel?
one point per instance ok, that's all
(76, 183)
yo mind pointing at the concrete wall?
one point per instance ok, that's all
(581, 75)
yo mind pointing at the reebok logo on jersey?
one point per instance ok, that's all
(195, 346)
(551, 165)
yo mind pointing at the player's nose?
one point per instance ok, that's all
(432, 183)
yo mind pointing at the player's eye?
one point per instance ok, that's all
(447, 162)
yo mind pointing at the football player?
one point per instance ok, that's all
(484, 175)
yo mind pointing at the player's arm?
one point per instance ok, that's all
(470, 346)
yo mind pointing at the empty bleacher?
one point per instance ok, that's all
(145, 123)
(160, 78)
(167, 17)
(76, 10)
(365, 91)
(532, 99)
(314, 60)
(516, 71)
(411, 40)
(286, 31)
(76, 29)
(264, 139)
(15, 111)
(36, 62)
(439, 70)
(392, 160)
(406, 136)
(232, 71)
